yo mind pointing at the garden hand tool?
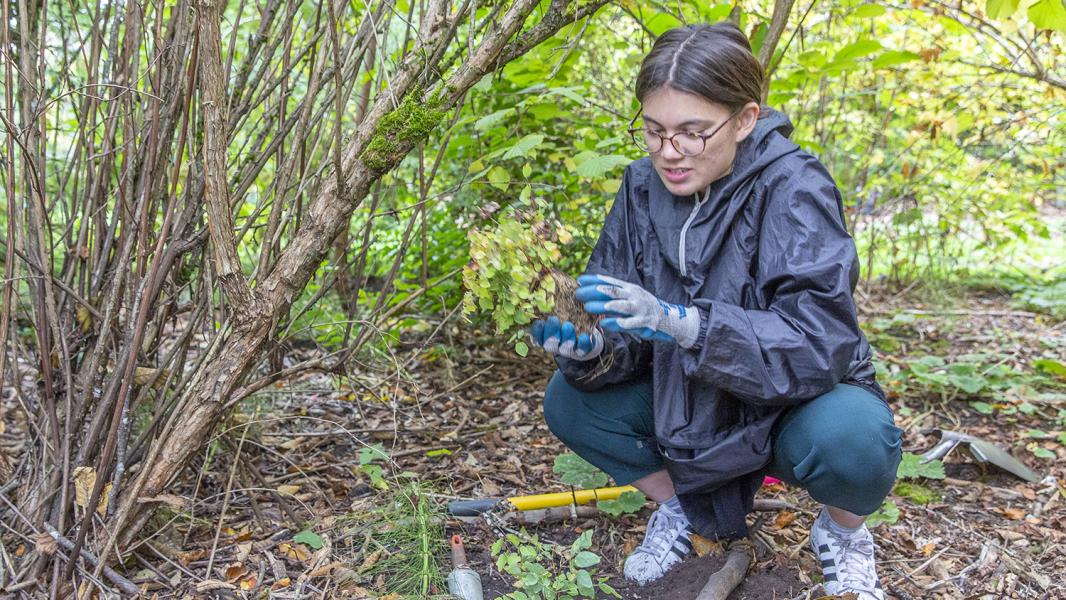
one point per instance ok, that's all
(473, 508)
(463, 581)
(984, 452)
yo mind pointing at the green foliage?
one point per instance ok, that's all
(887, 514)
(369, 457)
(508, 273)
(912, 467)
(578, 472)
(625, 503)
(976, 377)
(547, 571)
(1049, 297)
(309, 538)
(1048, 14)
(408, 526)
(917, 493)
(936, 373)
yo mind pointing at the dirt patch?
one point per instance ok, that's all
(686, 580)
(771, 578)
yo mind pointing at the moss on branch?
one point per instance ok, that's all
(409, 122)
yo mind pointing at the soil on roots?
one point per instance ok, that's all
(567, 306)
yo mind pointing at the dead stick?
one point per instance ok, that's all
(123, 584)
(722, 582)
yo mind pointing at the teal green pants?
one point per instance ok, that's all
(842, 447)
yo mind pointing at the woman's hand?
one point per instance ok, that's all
(561, 338)
(632, 309)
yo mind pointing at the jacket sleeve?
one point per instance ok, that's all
(801, 345)
(617, 253)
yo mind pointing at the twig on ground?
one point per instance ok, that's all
(123, 584)
(722, 582)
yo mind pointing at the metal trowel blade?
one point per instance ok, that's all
(988, 452)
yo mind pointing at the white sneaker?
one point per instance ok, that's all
(665, 544)
(847, 559)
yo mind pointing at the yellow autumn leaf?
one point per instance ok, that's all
(248, 582)
(288, 490)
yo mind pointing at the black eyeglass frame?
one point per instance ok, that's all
(662, 139)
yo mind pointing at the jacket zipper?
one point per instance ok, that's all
(684, 230)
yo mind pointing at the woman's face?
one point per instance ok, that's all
(667, 111)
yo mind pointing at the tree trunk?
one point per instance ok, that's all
(159, 165)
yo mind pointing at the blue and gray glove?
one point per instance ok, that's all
(632, 309)
(561, 338)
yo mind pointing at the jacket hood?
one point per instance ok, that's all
(672, 215)
(768, 143)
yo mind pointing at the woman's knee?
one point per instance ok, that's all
(861, 457)
(866, 455)
(844, 442)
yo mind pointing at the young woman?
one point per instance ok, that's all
(730, 347)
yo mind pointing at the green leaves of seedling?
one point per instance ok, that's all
(544, 571)
(911, 467)
(309, 538)
(577, 472)
(888, 513)
(367, 457)
(627, 502)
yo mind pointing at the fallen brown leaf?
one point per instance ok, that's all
(370, 560)
(46, 544)
(325, 570)
(191, 556)
(703, 546)
(784, 519)
(235, 571)
(281, 584)
(248, 582)
(1016, 514)
(294, 551)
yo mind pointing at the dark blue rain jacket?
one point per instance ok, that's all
(771, 268)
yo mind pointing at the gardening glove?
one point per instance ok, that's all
(560, 338)
(632, 309)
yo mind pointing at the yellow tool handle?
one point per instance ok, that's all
(566, 498)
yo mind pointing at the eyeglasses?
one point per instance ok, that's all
(686, 143)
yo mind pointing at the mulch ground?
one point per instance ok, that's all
(467, 421)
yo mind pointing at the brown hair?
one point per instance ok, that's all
(711, 61)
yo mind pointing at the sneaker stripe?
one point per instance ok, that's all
(828, 562)
(680, 553)
(684, 541)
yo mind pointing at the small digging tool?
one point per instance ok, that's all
(984, 452)
(463, 582)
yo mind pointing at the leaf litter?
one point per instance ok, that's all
(342, 483)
